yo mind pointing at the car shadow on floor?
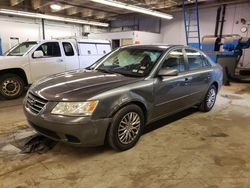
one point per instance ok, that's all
(169, 119)
(78, 152)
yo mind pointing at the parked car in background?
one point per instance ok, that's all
(115, 98)
(30, 61)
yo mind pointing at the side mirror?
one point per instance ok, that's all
(168, 72)
(38, 54)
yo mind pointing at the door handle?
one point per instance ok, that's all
(60, 60)
(188, 79)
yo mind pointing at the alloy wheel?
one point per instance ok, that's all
(211, 98)
(129, 128)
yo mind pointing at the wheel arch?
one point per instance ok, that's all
(136, 102)
(216, 85)
(17, 71)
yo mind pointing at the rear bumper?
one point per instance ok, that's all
(81, 131)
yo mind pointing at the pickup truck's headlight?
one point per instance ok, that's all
(75, 108)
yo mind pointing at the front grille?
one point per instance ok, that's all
(45, 132)
(34, 103)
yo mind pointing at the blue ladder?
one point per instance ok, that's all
(192, 24)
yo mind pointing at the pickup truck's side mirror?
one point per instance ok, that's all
(38, 54)
(168, 72)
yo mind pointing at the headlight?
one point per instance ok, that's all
(75, 108)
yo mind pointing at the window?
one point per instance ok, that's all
(68, 49)
(50, 49)
(175, 60)
(21, 49)
(131, 61)
(206, 62)
(195, 59)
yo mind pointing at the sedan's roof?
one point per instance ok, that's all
(151, 46)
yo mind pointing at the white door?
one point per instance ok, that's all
(14, 41)
(88, 54)
(103, 49)
(70, 56)
(51, 62)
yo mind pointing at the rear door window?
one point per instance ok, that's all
(195, 59)
(206, 62)
(68, 49)
(175, 60)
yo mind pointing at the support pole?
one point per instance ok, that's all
(43, 29)
(217, 22)
(223, 20)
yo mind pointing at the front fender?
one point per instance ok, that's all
(128, 99)
(111, 101)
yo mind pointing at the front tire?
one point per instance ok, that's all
(11, 86)
(126, 128)
(209, 100)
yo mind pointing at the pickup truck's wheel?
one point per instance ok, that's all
(209, 99)
(126, 128)
(11, 86)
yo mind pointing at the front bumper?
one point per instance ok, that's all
(81, 131)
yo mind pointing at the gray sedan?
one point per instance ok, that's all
(114, 99)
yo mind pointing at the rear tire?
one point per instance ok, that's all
(11, 86)
(126, 128)
(209, 100)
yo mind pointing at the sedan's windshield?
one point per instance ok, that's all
(21, 49)
(131, 61)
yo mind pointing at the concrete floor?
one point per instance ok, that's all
(191, 149)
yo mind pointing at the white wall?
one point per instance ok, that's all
(136, 22)
(148, 38)
(113, 35)
(139, 37)
(31, 29)
(24, 29)
(173, 31)
(58, 29)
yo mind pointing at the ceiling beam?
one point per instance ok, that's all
(209, 4)
(133, 8)
(35, 4)
(15, 2)
(73, 10)
(64, 7)
(51, 17)
(87, 13)
(38, 4)
(81, 4)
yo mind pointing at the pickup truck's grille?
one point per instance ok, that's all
(34, 103)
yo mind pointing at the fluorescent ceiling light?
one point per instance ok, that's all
(134, 8)
(56, 7)
(54, 18)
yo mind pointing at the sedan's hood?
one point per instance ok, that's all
(78, 85)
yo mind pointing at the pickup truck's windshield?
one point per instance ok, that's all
(21, 49)
(131, 61)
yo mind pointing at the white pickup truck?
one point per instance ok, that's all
(30, 61)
